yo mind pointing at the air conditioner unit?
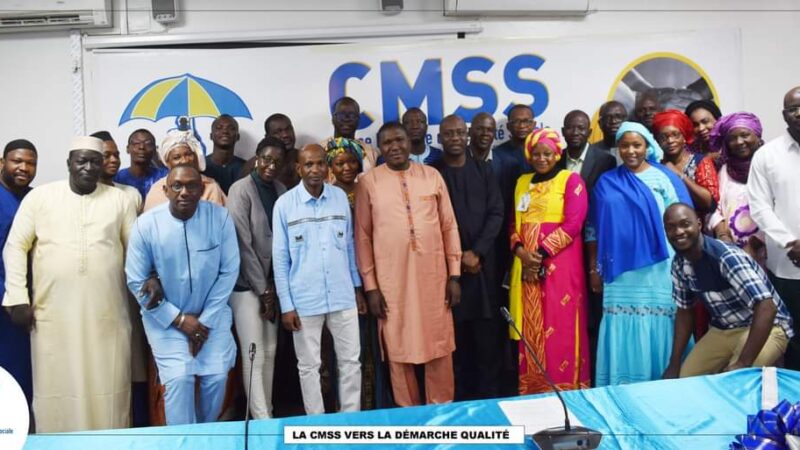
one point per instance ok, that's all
(43, 15)
(516, 8)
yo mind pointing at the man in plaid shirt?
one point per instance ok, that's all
(750, 324)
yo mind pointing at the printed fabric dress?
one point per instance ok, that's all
(551, 313)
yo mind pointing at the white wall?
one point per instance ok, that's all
(36, 69)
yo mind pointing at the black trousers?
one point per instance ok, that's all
(789, 290)
(477, 361)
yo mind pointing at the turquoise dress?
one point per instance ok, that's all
(635, 338)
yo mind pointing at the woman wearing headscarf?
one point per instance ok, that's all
(738, 135)
(181, 147)
(346, 161)
(630, 260)
(548, 289)
(674, 133)
(703, 114)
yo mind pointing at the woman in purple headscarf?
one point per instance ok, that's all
(738, 135)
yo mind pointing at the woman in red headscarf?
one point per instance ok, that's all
(548, 289)
(675, 133)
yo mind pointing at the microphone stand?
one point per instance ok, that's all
(568, 437)
(249, 394)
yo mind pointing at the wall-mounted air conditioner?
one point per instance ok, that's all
(42, 15)
(518, 8)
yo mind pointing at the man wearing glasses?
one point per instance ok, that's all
(191, 245)
(142, 173)
(520, 124)
(345, 117)
(612, 114)
(775, 206)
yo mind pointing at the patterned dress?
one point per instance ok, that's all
(551, 311)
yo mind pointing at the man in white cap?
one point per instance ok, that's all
(78, 316)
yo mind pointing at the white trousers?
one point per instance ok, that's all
(251, 328)
(343, 326)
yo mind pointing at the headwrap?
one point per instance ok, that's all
(176, 138)
(338, 146)
(86, 143)
(654, 151)
(736, 168)
(708, 105)
(677, 119)
(546, 136)
(626, 216)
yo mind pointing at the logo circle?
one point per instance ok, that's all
(14, 415)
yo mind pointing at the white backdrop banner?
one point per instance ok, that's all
(149, 88)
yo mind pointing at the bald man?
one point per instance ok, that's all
(750, 324)
(478, 206)
(313, 259)
(774, 195)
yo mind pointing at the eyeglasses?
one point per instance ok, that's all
(190, 187)
(518, 122)
(269, 161)
(792, 110)
(346, 115)
(669, 136)
(613, 117)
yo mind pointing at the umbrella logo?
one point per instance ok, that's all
(184, 96)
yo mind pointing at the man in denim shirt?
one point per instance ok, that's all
(317, 280)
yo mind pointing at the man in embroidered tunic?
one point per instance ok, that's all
(409, 256)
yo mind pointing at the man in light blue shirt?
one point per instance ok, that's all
(191, 245)
(317, 280)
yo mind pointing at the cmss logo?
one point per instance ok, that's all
(395, 88)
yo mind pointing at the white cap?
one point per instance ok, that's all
(86, 143)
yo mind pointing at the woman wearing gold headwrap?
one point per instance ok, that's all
(548, 289)
(345, 159)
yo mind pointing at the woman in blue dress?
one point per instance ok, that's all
(630, 260)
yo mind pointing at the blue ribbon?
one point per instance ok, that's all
(767, 429)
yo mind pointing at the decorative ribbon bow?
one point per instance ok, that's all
(772, 429)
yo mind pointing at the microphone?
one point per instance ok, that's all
(252, 354)
(561, 438)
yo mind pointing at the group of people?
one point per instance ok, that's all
(669, 248)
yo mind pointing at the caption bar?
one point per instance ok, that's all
(403, 435)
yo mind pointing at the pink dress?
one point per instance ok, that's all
(552, 312)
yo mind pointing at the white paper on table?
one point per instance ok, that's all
(536, 414)
(793, 442)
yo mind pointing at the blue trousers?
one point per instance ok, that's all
(180, 406)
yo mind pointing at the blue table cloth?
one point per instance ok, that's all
(693, 413)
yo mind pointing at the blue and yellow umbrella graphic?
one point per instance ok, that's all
(184, 95)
